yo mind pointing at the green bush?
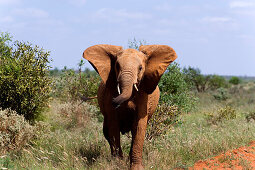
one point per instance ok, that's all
(15, 132)
(235, 80)
(216, 82)
(175, 90)
(24, 80)
(225, 113)
(221, 94)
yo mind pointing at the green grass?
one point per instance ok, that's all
(66, 142)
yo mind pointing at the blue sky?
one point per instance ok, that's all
(217, 36)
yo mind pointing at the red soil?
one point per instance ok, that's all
(241, 158)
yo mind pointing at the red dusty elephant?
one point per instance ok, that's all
(129, 93)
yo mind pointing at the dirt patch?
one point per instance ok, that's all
(241, 158)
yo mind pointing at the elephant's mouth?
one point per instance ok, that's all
(123, 95)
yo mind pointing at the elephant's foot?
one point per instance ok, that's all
(137, 167)
(117, 152)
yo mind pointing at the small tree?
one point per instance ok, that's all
(80, 64)
(136, 44)
(194, 77)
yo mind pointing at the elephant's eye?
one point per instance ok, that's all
(140, 68)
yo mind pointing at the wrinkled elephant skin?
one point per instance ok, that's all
(129, 93)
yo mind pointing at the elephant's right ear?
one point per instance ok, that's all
(101, 57)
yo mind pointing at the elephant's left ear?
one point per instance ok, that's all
(159, 58)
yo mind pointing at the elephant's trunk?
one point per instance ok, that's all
(125, 88)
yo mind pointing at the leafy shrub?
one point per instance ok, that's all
(216, 82)
(24, 81)
(162, 120)
(235, 80)
(225, 113)
(175, 90)
(221, 94)
(71, 84)
(15, 132)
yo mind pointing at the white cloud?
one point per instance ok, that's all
(31, 12)
(243, 8)
(9, 2)
(242, 4)
(113, 15)
(217, 19)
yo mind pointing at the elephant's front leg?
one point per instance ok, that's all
(138, 135)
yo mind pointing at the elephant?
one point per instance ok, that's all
(128, 93)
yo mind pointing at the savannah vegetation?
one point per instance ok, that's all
(44, 124)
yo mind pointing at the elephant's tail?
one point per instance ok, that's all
(84, 98)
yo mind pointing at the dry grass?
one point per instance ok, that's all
(15, 131)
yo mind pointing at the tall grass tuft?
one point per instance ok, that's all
(15, 131)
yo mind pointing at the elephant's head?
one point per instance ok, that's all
(129, 70)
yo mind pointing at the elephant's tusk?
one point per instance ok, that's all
(118, 87)
(135, 87)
